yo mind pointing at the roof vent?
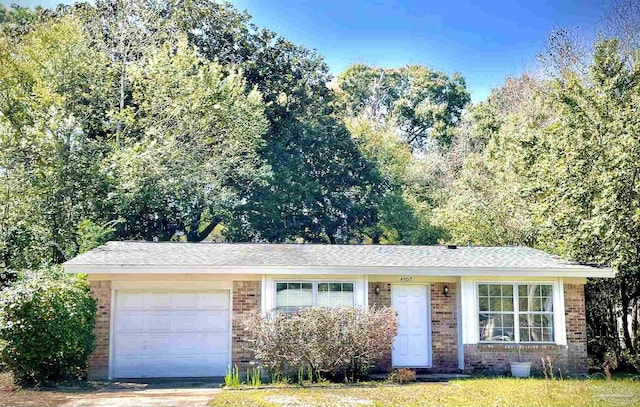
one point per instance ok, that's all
(452, 246)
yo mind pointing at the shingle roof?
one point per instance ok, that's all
(316, 255)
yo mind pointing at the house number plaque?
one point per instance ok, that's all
(406, 279)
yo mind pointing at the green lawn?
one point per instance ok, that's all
(496, 392)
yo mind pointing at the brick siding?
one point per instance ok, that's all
(570, 359)
(246, 297)
(576, 319)
(383, 299)
(444, 332)
(444, 328)
(485, 358)
(98, 363)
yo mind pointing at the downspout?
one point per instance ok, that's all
(459, 325)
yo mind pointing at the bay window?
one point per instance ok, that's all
(520, 312)
(292, 295)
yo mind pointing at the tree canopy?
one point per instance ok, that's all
(422, 104)
(182, 120)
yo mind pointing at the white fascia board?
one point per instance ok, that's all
(379, 270)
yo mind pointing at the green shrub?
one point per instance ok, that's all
(46, 326)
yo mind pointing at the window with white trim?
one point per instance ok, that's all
(292, 295)
(519, 312)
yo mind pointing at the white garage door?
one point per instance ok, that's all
(171, 334)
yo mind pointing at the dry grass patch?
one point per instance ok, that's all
(503, 392)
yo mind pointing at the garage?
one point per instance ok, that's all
(171, 334)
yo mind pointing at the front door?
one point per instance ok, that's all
(412, 345)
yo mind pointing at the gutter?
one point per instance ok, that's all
(576, 271)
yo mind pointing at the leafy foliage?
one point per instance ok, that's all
(421, 103)
(50, 165)
(182, 120)
(556, 169)
(329, 342)
(46, 326)
(404, 210)
(590, 196)
(197, 150)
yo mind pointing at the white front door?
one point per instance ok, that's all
(171, 334)
(412, 345)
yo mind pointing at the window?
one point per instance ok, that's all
(335, 295)
(516, 312)
(496, 312)
(535, 312)
(293, 295)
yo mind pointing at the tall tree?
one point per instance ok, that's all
(48, 163)
(322, 188)
(423, 104)
(491, 200)
(197, 155)
(403, 119)
(404, 211)
(590, 192)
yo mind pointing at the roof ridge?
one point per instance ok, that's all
(459, 246)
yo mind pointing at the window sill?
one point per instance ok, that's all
(515, 346)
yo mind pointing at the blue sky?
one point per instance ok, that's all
(485, 40)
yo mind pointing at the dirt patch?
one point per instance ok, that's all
(146, 398)
(354, 402)
(284, 401)
(32, 398)
(109, 395)
(292, 401)
(12, 395)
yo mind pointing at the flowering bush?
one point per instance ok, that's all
(329, 343)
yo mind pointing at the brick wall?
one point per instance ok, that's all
(246, 297)
(571, 359)
(444, 329)
(495, 358)
(576, 318)
(98, 364)
(444, 332)
(383, 299)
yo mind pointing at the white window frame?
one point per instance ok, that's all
(314, 287)
(516, 311)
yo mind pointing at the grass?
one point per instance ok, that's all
(502, 392)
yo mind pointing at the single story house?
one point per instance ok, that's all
(168, 309)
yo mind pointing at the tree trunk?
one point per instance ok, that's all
(634, 326)
(613, 322)
(626, 302)
(194, 235)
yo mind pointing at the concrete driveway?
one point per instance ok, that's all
(156, 393)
